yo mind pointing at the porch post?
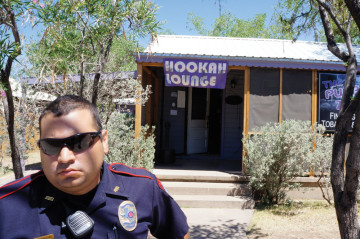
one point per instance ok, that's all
(280, 95)
(246, 111)
(138, 102)
(314, 98)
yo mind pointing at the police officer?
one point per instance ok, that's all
(76, 194)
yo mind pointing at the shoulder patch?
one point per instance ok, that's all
(120, 168)
(19, 184)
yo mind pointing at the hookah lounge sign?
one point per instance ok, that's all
(195, 73)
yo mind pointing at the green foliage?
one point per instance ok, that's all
(278, 154)
(296, 18)
(84, 31)
(7, 48)
(228, 25)
(23, 11)
(121, 55)
(321, 161)
(124, 148)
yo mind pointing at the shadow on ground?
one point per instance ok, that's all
(227, 230)
(255, 233)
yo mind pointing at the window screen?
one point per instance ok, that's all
(264, 97)
(296, 95)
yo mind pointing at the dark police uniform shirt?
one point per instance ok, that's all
(31, 207)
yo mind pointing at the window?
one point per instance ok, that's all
(296, 95)
(264, 97)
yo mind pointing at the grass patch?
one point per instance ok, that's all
(294, 219)
(292, 208)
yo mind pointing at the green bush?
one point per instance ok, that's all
(277, 154)
(321, 161)
(124, 148)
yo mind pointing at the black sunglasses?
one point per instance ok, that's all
(76, 143)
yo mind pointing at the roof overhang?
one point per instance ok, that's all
(250, 62)
(245, 52)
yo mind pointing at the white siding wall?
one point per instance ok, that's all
(233, 118)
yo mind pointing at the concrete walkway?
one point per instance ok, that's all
(218, 223)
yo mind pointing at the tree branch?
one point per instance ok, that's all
(345, 33)
(86, 26)
(332, 46)
(354, 8)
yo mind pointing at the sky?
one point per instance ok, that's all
(175, 12)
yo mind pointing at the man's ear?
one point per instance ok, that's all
(105, 141)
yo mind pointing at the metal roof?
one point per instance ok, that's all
(253, 52)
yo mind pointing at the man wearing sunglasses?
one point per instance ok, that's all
(76, 194)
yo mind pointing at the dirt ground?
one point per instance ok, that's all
(33, 157)
(314, 221)
(31, 163)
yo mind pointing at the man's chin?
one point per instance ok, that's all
(70, 184)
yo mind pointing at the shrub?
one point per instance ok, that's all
(321, 160)
(278, 154)
(124, 148)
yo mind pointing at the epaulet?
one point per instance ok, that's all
(120, 168)
(18, 184)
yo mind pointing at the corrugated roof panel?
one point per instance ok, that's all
(241, 48)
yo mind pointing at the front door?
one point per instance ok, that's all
(198, 114)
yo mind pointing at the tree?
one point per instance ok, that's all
(11, 12)
(228, 25)
(79, 36)
(338, 19)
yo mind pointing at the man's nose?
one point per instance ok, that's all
(66, 155)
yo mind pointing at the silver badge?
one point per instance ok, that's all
(127, 215)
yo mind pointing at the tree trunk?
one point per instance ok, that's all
(10, 120)
(345, 185)
(82, 76)
(95, 88)
(4, 79)
(102, 61)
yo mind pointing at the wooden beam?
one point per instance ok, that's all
(237, 68)
(149, 103)
(280, 95)
(246, 110)
(246, 100)
(152, 64)
(156, 101)
(138, 102)
(314, 98)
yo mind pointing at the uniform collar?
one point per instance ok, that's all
(113, 184)
(109, 186)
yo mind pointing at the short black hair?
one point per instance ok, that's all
(63, 105)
